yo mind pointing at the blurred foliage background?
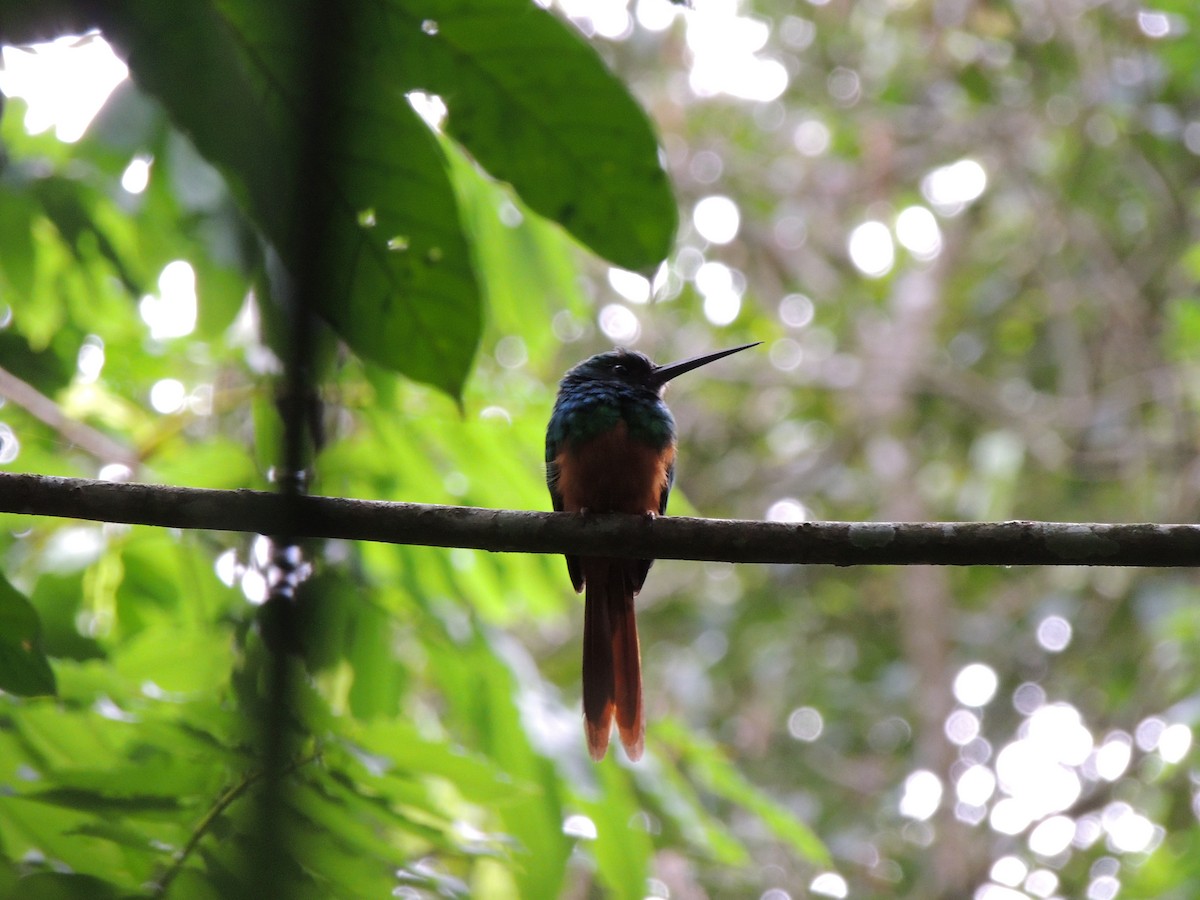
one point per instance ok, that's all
(967, 233)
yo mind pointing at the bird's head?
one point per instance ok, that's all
(630, 367)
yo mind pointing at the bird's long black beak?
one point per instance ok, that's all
(663, 374)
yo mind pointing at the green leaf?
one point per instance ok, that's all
(528, 97)
(680, 806)
(17, 259)
(401, 288)
(24, 668)
(622, 847)
(473, 777)
(532, 266)
(178, 659)
(64, 886)
(533, 102)
(54, 833)
(482, 690)
(718, 775)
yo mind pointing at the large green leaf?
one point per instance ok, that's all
(401, 290)
(531, 100)
(527, 96)
(24, 669)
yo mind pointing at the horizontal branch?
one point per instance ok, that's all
(508, 531)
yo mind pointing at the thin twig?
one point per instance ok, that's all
(223, 803)
(46, 411)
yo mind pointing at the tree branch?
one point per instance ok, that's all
(42, 408)
(509, 531)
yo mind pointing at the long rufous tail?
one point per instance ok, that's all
(612, 662)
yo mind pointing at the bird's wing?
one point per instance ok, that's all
(666, 491)
(556, 498)
(642, 566)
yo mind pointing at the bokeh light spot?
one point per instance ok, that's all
(64, 82)
(619, 324)
(976, 785)
(787, 509)
(1054, 633)
(1128, 830)
(1052, 836)
(511, 351)
(922, 795)
(962, 727)
(829, 884)
(805, 724)
(1153, 24)
(579, 826)
(949, 189)
(1028, 697)
(1009, 871)
(90, 361)
(796, 310)
(633, 287)
(172, 314)
(136, 177)
(1041, 883)
(871, 250)
(1175, 742)
(168, 395)
(722, 308)
(430, 107)
(918, 233)
(811, 137)
(10, 447)
(717, 219)
(975, 685)
(1114, 755)
(655, 15)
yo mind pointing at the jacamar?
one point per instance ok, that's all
(610, 447)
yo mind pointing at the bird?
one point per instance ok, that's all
(610, 447)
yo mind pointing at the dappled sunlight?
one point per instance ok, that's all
(90, 362)
(172, 314)
(136, 176)
(65, 82)
(725, 54)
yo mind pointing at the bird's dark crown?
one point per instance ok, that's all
(620, 365)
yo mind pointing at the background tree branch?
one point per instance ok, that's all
(1014, 543)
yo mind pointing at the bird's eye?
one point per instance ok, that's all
(618, 369)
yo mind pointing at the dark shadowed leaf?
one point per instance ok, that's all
(64, 886)
(531, 100)
(405, 293)
(24, 669)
